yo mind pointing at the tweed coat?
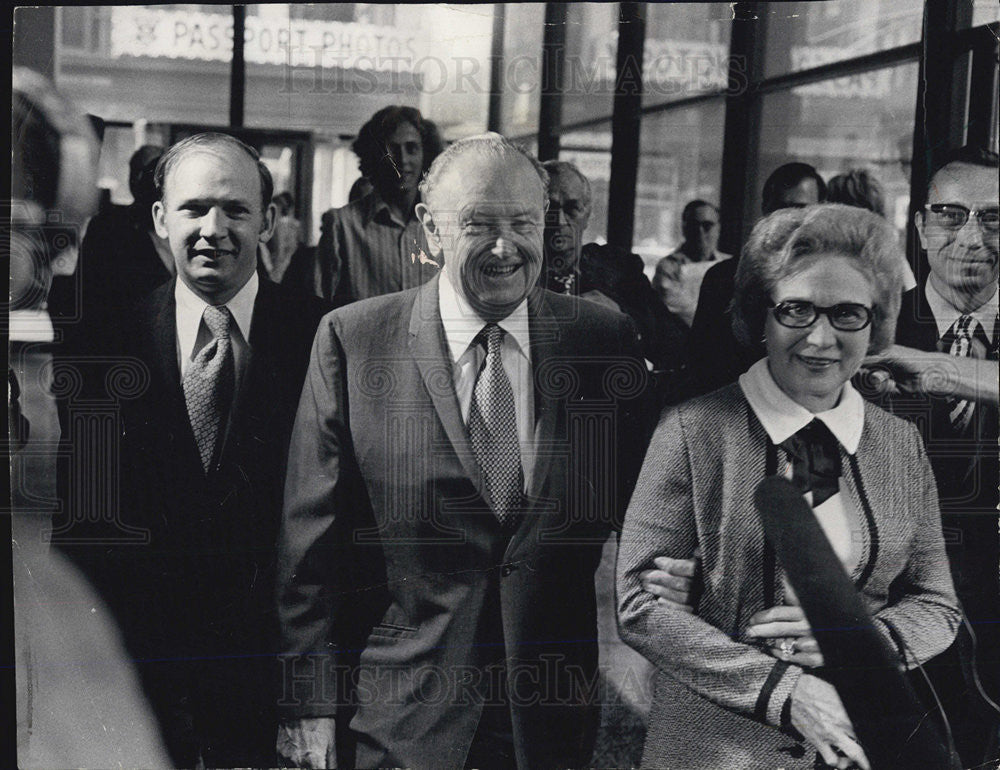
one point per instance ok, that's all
(718, 702)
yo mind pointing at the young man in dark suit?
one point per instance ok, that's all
(218, 357)
(461, 452)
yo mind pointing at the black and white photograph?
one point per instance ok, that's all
(504, 386)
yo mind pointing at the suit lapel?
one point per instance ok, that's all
(166, 370)
(249, 411)
(916, 327)
(543, 332)
(429, 349)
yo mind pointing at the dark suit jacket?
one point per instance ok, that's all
(118, 265)
(715, 357)
(389, 546)
(188, 561)
(965, 467)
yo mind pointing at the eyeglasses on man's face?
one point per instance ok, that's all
(953, 216)
(801, 314)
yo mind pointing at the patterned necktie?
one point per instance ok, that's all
(493, 430)
(815, 461)
(958, 341)
(209, 383)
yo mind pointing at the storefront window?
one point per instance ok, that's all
(590, 150)
(157, 64)
(681, 160)
(590, 59)
(686, 52)
(803, 35)
(985, 12)
(524, 25)
(331, 67)
(861, 121)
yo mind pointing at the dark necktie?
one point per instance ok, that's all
(493, 430)
(209, 383)
(966, 338)
(815, 461)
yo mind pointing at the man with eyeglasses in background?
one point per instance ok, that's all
(679, 274)
(945, 369)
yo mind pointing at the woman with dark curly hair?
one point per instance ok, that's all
(735, 683)
(376, 245)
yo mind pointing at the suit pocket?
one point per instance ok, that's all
(393, 631)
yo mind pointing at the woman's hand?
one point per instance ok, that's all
(787, 635)
(819, 715)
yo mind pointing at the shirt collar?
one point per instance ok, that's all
(945, 314)
(462, 323)
(191, 307)
(782, 417)
(375, 205)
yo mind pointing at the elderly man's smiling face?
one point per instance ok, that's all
(487, 214)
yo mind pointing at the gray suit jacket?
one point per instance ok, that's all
(718, 701)
(399, 594)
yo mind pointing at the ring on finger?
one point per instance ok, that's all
(787, 647)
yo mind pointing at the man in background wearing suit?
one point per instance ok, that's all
(202, 458)
(460, 454)
(945, 363)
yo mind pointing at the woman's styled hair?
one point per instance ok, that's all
(780, 242)
(857, 187)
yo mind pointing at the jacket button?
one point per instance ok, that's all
(507, 569)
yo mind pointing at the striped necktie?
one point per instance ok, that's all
(960, 340)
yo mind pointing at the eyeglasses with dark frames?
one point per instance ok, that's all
(953, 216)
(801, 314)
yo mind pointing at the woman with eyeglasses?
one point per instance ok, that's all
(737, 684)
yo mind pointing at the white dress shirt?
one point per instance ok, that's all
(945, 314)
(461, 325)
(193, 335)
(782, 417)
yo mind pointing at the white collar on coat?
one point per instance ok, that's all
(781, 416)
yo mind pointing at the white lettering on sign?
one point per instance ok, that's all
(300, 42)
(669, 66)
(876, 84)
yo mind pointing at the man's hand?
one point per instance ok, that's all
(908, 370)
(819, 715)
(671, 582)
(787, 634)
(307, 743)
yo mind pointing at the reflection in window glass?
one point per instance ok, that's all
(803, 35)
(681, 160)
(155, 63)
(863, 121)
(329, 69)
(591, 51)
(590, 150)
(687, 50)
(985, 12)
(522, 51)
